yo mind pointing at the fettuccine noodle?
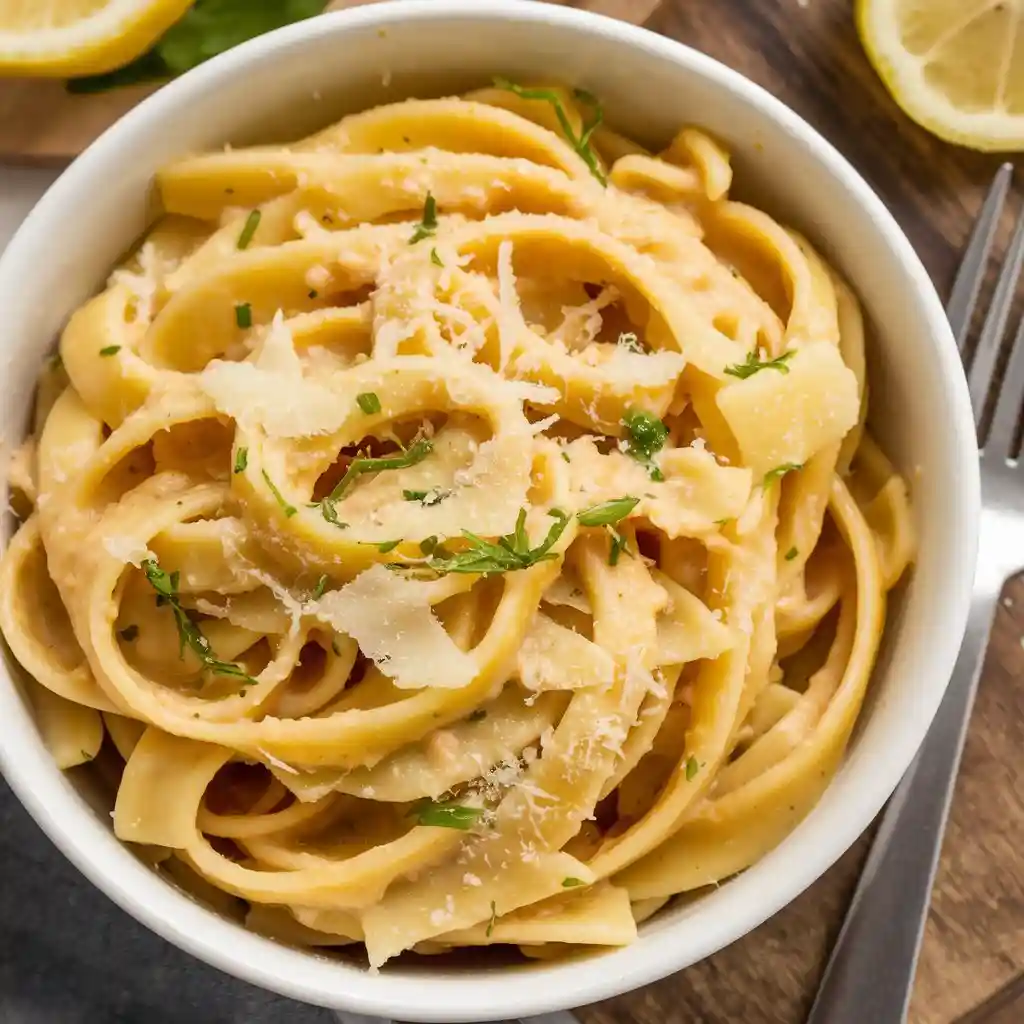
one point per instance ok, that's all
(456, 528)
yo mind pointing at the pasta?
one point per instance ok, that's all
(456, 528)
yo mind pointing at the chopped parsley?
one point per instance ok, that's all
(754, 364)
(427, 498)
(358, 466)
(511, 553)
(243, 315)
(129, 633)
(646, 438)
(388, 545)
(435, 259)
(692, 767)
(618, 547)
(779, 472)
(289, 510)
(607, 513)
(330, 513)
(571, 883)
(252, 222)
(321, 586)
(368, 402)
(241, 459)
(189, 633)
(791, 554)
(565, 457)
(110, 350)
(427, 226)
(580, 143)
(446, 814)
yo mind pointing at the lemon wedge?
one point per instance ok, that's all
(954, 66)
(59, 38)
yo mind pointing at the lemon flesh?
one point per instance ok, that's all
(954, 66)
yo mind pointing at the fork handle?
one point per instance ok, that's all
(870, 975)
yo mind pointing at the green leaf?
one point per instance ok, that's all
(647, 435)
(252, 222)
(289, 510)
(580, 143)
(243, 314)
(779, 472)
(435, 259)
(388, 545)
(607, 513)
(189, 633)
(791, 554)
(330, 513)
(692, 767)
(618, 547)
(754, 364)
(368, 402)
(571, 883)
(241, 459)
(510, 554)
(357, 467)
(110, 350)
(321, 586)
(446, 814)
(428, 223)
(208, 28)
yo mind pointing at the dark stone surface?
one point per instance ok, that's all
(68, 955)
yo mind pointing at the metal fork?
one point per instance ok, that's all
(870, 975)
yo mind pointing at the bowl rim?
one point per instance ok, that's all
(61, 813)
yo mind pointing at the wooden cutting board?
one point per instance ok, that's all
(972, 965)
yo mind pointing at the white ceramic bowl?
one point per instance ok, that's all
(299, 78)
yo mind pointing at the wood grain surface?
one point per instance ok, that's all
(972, 966)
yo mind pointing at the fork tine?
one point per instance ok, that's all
(969, 276)
(1004, 421)
(979, 379)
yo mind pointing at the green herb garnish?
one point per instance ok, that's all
(607, 513)
(330, 513)
(691, 768)
(189, 633)
(446, 814)
(571, 883)
(358, 466)
(510, 554)
(647, 436)
(208, 28)
(388, 545)
(289, 510)
(321, 586)
(427, 498)
(428, 224)
(779, 472)
(414, 495)
(129, 633)
(368, 402)
(243, 314)
(754, 364)
(110, 350)
(565, 457)
(435, 259)
(618, 547)
(241, 459)
(580, 143)
(791, 554)
(312, 293)
(494, 918)
(252, 222)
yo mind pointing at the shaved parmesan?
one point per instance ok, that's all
(391, 619)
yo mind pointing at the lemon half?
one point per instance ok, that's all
(954, 66)
(58, 38)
